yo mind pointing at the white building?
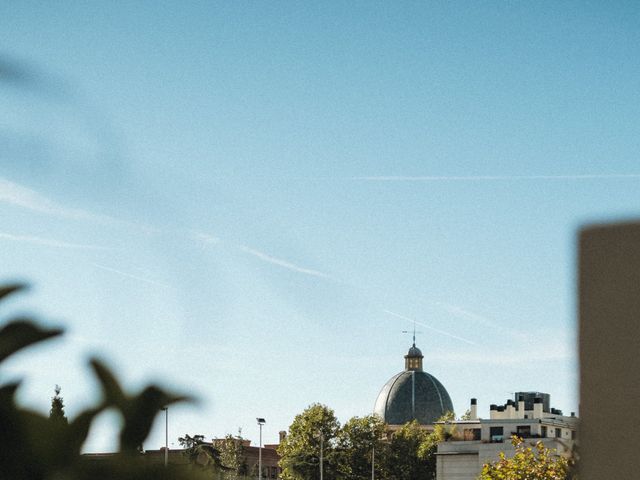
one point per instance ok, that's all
(477, 441)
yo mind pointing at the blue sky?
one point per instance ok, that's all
(251, 201)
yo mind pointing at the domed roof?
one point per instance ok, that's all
(414, 352)
(412, 395)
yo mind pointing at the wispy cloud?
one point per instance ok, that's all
(129, 275)
(282, 263)
(21, 196)
(12, 193)
(437, 330)
(467, 314)
(48, 242)
(483, 178)
(510, 357)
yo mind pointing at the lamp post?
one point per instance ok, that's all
(261, 422)
(166, 435)
(321, 452)
(373, 463)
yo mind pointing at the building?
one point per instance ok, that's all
(178, 458)
(250, 457)
(477, 441)
(412, 394)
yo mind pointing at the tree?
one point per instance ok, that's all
(405, 459)
(411, 452)
(232, 456)
(201, 454)
(356, 442)
(466, 415)
(300, 451)
(539, 462)
(56, 414)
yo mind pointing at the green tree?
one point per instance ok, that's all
(356, 443)
(528, 463)
(232, 456)
(56, 414)
(466, 415)
(201, 454)
(411, 452)
(300, 451)
(406, 457)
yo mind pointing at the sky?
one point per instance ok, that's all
(251, 201)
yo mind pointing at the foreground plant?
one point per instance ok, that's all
(32, 447)
(528, 463)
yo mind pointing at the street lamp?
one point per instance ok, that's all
(321, 448)
(261, 422)
(166, 435)
(373, 462)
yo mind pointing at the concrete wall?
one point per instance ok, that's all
(464, 460)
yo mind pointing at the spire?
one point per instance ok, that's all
(414, 333)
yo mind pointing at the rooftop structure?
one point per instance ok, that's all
(412, 394)
(480, 440)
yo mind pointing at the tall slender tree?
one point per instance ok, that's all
(56, 414)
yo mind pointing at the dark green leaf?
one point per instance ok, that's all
(20, 334)
(6, 290)
(111, 389)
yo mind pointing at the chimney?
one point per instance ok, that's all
(474, 409)
(510, 409)
(493, 411)
(283, 435)
(537, 407)
(521, 406)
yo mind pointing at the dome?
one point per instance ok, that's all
(414, 351)
(412, 394)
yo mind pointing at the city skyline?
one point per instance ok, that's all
(251, 202)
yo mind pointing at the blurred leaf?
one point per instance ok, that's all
(20, 334)
(6, 290)
(7, 393)
(138, 411)
(111, 389)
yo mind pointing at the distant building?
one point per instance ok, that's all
(412, 394)
(478, 441)
(270, 457)
(177, 458)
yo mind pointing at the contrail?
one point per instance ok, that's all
(282, 263)
(441, 332)
(128, 275)
(47, 242)
(480, 178)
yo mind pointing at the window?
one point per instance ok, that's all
(496, 434)
(543, 432)
(558, 432)
(523, 431)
